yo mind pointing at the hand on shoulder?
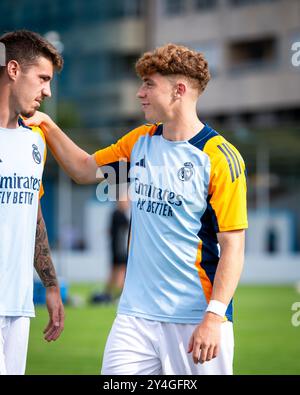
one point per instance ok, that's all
(38, 119)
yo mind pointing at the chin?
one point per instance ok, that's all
(28, 114)
(150, 119)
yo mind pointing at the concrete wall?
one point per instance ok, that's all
(259, 87)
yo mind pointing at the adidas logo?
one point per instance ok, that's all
(141, 162)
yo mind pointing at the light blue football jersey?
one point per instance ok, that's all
(173, 249)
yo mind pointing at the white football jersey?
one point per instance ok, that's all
(22, 157)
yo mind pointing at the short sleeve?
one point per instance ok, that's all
(227, 187)
(121, 150)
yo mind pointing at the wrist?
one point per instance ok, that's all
(213, 318)
(53, 287)
(216, 307)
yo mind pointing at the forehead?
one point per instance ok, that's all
(42, 65)
(157, 78)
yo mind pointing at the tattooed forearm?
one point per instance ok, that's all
(42, 259)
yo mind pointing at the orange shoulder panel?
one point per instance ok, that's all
(121, 150)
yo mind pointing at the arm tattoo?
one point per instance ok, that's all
(42, 259)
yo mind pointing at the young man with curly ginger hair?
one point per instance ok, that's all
(186, 252)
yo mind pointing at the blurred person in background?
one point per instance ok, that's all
(188, 206)
(24, 84)
(119, 228)
(118, 232)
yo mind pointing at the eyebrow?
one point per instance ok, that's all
(147, 79)
(47, 76)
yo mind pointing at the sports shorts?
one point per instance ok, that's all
(137, 346)
(14, 335)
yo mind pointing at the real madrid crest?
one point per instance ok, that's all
(186, 172)
(36, 154)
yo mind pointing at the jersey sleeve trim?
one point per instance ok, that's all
(204, 279)
(231, 158)
(234, 227)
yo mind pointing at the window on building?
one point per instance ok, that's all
(174, 7)
(203, 5)
(249, 2)
(133, 8)
(212, 53)
(100, 67)
(120, 66)
(252, 54)
(127, 66)
(90, 69)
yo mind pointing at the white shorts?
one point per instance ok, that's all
(136, 346)
(14, 334)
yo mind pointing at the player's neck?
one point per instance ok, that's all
(8, 117)
(182, 128)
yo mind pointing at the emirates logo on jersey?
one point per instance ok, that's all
(186, 172)
(36, 154)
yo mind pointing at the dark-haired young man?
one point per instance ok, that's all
(24, 83)
(188, 208)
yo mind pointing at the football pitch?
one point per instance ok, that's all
(266, 342)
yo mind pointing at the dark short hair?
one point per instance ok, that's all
(26, 47)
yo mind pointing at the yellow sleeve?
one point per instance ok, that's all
(227, 187)
(121, 150)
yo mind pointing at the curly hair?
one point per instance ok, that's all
(25, 47)
(175, 59)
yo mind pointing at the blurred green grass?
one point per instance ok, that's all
(265, 340)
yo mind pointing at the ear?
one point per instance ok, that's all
(13, 69)
(180, 89)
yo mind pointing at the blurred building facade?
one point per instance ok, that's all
(248, 46)
(253, 97)
(101, 41)
(95, 100)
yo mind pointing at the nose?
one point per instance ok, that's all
(140, 93)
(47, 90)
